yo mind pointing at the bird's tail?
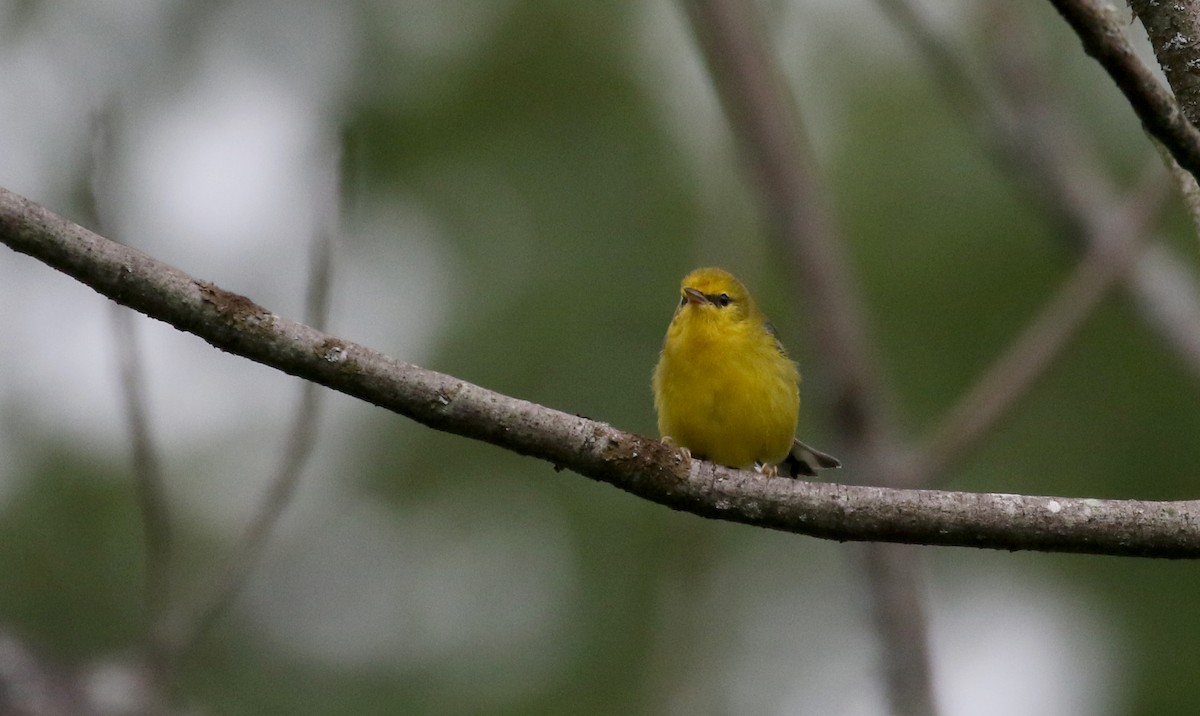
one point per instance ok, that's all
(806, 460)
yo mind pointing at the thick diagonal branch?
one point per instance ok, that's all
(1174, 32)
(596, 450)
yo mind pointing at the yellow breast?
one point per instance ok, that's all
(725, 390)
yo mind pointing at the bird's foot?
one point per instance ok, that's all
(684, 453)
(767, 470)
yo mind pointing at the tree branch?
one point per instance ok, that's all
(1114, 247)
(181, 630)
(596, 450)
(1185, 183)
(1026, 134)
(1098, 27)
(151, 490)
(147, 471)
(1166, 293)
(1013, 373)
(899, 615)
(764, 120)
(1174, 32)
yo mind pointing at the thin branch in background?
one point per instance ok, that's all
(151, 490)
(185, 630)
(1100, 28)
(1029, 137)
(898, 615)
(895, 577)
(31, 686)
(1167, 295)
(1055, 152)
(1014, 372)
(148, 477)
(764, 118)
(991, 120)
(1189, 190)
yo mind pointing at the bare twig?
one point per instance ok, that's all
(148, 478)
(1167, 296)
(1046, 177)
(760, 110)
(896, 583)
(151, 491)
(28, 685)
(641, 466)
(1011, 376)
(1185, 183)
(1174, 32)
(765, 120)
(1100, 29)
(899, 616)
(31, 684)
(1028, 137)
(1114, 248)
(183, 630)
(993, 123)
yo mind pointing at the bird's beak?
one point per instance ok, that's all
(695, 297)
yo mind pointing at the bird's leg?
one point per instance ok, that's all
(684, 452)
(768, 470)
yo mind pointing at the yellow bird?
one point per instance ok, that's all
(724, 388)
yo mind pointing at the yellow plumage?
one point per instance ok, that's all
(724, 387)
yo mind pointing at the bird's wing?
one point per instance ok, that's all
(770, 328)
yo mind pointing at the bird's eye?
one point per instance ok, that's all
(683, 301)
(724, 300)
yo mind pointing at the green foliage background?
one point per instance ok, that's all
(570, 206)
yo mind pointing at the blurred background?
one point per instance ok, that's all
(522, 185)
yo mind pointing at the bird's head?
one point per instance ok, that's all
(715, 293)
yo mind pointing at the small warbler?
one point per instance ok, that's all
(724, 388)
